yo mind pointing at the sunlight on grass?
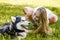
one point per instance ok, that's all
(51, 3)
(7, 10)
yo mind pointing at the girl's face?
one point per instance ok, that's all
(36, 16)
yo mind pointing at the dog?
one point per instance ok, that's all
(34, 14)
(17, 28)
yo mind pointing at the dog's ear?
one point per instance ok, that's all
(13, 18)
(28, 10)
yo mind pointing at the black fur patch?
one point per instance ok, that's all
(18, 19)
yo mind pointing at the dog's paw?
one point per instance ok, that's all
(28, 31)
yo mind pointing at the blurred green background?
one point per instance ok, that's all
(52, 3)
(10, 8)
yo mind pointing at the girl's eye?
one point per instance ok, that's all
(34, 13)
(37, 16)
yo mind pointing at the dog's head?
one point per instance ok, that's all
(20, 22)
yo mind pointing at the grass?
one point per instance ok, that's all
(7, 10)
(52, 3)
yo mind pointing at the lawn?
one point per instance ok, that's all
(8, 10)
(52, 3)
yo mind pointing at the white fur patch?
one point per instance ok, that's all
(13, 18)
(24, 34)
(22, 22)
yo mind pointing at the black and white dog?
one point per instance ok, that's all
(17, 27)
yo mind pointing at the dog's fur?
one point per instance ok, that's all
(17, 28)
(34, 15)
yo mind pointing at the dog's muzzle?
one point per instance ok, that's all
(25, 26)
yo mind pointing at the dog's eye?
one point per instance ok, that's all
(23, 20)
